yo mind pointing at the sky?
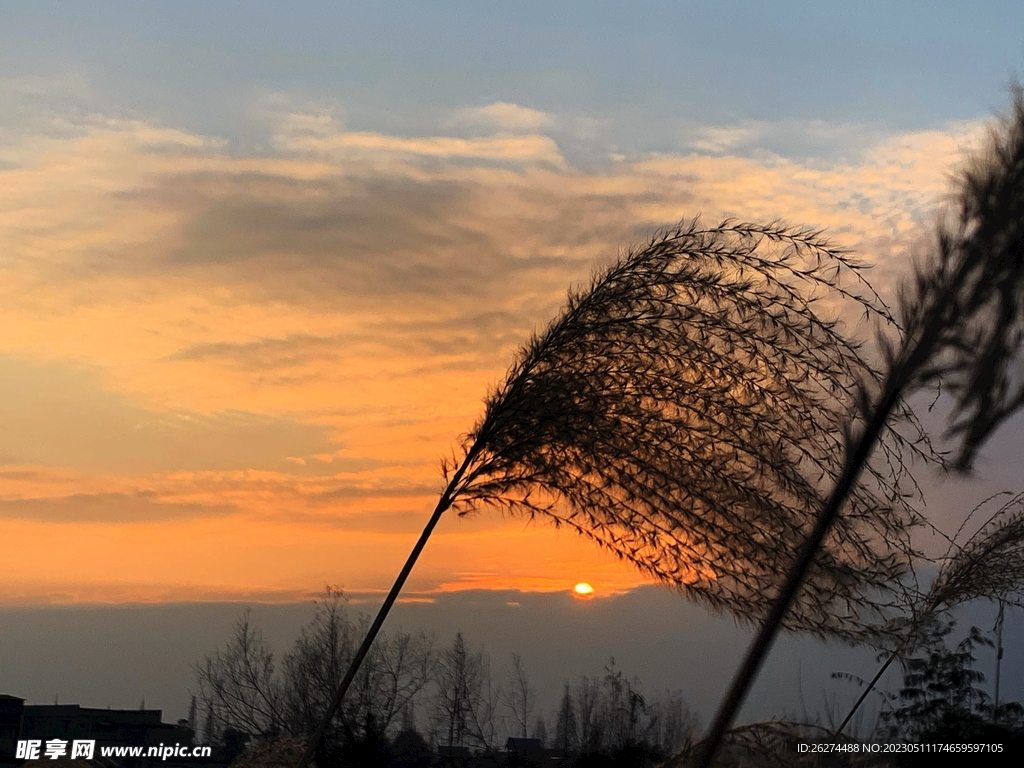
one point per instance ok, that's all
(261, 263)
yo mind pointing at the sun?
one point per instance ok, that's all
(583, 591)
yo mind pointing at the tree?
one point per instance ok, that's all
(591, 724)
(940, 693)
(458, 674)
(239, 685)
(520, 697)
(452, 686)
(465, 704)
(410, 750)
(941, 699)
(246, 693)
(211, 733)
(316, 664)
(611, 721)
(566, 729)
(673, 725)
(989, 564)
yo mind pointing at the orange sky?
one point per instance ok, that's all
(235, 376)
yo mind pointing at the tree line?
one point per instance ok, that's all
(414, 697)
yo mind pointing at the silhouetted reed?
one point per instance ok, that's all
(685, 412)
(990, 564)
(961, 317)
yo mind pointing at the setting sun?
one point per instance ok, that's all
(583, 590)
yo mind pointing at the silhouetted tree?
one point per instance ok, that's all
(566, 729)
(941, 699)
(520, 698)
(234, 742)
(246, 692)
(591, 723)
(410, 750)
(239, 685)
(466, 702)
(611, 721)
(398, 669)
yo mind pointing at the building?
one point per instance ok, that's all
(11, 709)
(107, 727)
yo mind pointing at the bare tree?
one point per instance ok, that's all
(239, 684)
(465, 703)
(520, 698)
(457, 673)
(613, 713)
(465, 707)
(486, 722)
(588, 712)
(673, 726)
(211, 730)
(244, 691)
(317, 662)
(396, 671)
(540, 731)
(406, 668)
(567, 735)
(624, 708)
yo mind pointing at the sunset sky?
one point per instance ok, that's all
(261, 262)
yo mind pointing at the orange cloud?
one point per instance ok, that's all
(234, 376)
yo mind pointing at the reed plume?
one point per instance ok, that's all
(988, 565)
(962, 317)
(685, 413)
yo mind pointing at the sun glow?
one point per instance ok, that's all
(583, 590)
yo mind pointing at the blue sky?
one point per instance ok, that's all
(640, 70)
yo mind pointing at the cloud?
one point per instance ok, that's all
(506, 116)
(723, 138)
(365, 145)
(264, 356)
(48, 106)
(346, 229)
(205, 282)
(422, 337)
(333, 494)
(105, 508)
(818, 145)
(58, 414)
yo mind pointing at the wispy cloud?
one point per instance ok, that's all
(506, 116)
(514, 148)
